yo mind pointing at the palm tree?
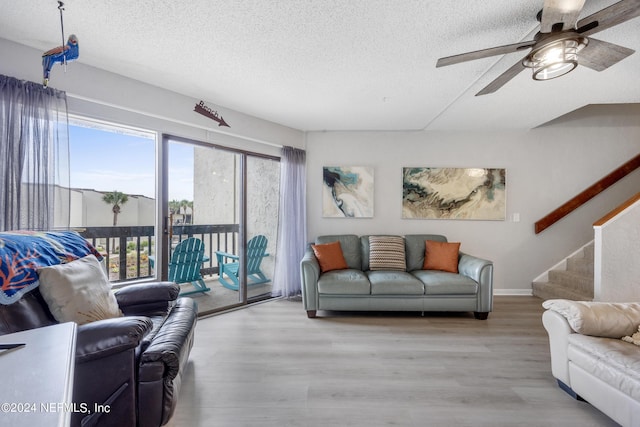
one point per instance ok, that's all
(115, 198)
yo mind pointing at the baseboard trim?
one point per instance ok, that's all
(513, 292)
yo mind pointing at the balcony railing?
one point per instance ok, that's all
(132, 246)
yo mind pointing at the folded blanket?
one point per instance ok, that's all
(23, 252)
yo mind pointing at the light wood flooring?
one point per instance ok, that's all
(219, 297)
(269, 365)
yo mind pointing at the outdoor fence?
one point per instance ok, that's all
(131, 246)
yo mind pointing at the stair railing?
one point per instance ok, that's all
(586, 195)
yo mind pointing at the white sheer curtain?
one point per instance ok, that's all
(34, 152)
(292, 223)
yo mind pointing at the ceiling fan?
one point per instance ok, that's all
(562, 43)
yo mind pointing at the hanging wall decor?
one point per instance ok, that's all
(454, 193)
(347, 192)
(210, 113)
(60, 54)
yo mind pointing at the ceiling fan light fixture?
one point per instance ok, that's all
(555, 56)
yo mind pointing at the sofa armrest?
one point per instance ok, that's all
(147, 298)
(309, 275)
(480, 270)
(103, 338)
(558, 330)
(599, 319)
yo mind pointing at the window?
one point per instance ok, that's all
(112, 201)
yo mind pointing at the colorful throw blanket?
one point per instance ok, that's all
(23, 252)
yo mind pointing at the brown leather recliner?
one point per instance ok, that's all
(132, 365)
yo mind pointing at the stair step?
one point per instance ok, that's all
(580, 265)
(574, 283)
(577, 281)
(551, 290)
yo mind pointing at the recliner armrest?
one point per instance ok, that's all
(147, 298)
(173, 341)
(103, 338)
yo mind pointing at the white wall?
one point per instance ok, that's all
(545, 167)
(617, 270)
(99, 94)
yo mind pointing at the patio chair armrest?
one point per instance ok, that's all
(220, 255)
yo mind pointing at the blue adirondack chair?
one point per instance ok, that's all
(185, 264)
(256, 251)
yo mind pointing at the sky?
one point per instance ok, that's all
(108, 161)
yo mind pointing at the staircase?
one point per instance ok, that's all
(574, 281)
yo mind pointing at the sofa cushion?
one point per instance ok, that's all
(350, 244)
(329, 256)
(441, 256)
(387, 253)
(365, 249)
(445, 283)
(415, 246)
(385, 282)
(78, 291)
(344, 282)
(615, 362)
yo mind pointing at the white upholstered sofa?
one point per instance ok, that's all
(589, 357)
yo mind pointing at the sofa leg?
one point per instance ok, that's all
(481, 315)
(311, 314)
(570, 391)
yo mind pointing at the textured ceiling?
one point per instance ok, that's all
(332, 64)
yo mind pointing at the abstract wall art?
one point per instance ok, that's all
(454, 193)
(347, 192)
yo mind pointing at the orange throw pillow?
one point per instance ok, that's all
(441, 256)
(330, 256)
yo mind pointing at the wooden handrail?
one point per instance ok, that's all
(587, 194)
(602, 221)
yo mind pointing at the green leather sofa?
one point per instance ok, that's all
(358, 288)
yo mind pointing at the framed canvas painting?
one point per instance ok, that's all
(347, 192)
(454, 193)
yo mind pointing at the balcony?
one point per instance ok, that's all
(132, 246)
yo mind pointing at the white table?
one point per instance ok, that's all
(37, 379)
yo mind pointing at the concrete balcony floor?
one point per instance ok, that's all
(220, 297)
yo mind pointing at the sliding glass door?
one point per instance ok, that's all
(228, 200)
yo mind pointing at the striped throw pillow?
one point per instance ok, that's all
(387, 253)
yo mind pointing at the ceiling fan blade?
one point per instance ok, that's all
(615, 14)
(600, 55)
(556, 12)
(484, 53)
(502, 79)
